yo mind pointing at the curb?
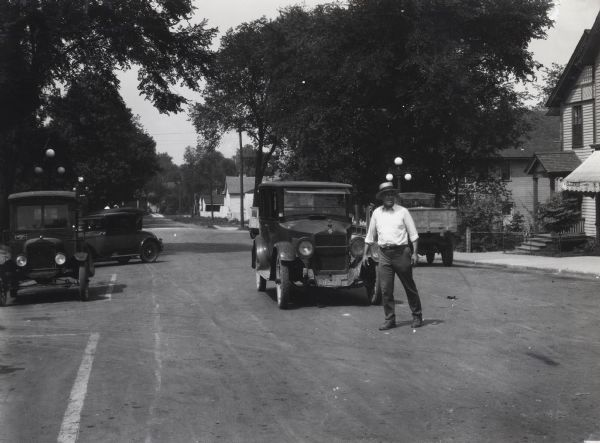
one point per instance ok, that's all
(557, 271)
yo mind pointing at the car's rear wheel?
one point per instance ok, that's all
(430, 257)
(284, 285)
(84, 282)
(123, 260)
(149, 252)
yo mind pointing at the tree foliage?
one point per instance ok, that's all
(236, 97)
(45, 45)
(102, 141)
(559, 212)
(343, 89)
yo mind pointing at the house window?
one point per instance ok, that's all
(505, 170)
(577, 127)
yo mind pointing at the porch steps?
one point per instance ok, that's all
(541, 242)
(535, 243)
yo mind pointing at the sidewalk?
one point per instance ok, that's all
(584, 265)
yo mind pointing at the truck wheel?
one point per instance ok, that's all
(430, 257)
(84, 283)
(447, 256)
(284, 285)
(261, 283)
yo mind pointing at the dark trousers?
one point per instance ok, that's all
(397, 261)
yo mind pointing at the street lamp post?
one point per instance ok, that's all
(397, 172)
(49, 155)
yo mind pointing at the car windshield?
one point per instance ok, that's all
(315, 201)
(31, 217)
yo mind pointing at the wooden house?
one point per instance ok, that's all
(576, 101)
(233, 194)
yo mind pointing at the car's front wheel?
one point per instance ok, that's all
(84, 282)
(284, 285)
(261, 283)
(4, 293)
(149, 251)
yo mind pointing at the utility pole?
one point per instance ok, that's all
(241, 181)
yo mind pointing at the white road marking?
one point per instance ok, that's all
(70, 425)
(111, 286)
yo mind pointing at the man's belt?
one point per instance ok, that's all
(387, 247)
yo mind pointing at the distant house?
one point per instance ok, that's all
(513, 165)
(232, 196)
(576, 101)
(214, 205)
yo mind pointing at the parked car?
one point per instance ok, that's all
(42, 244)
(305, 238)
(117, 234)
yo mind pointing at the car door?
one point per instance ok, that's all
(121, 236)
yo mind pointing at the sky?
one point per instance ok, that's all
(174, 132)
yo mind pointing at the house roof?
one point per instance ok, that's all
(232, 184)
(305, 184)
(584, 54)
(586, 178)
(42, 194)
(554, 162)
(217, 199)
(544, 136)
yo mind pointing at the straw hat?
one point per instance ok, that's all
(385, 187)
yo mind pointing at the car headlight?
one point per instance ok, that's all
(21, 261)
(4, 257)
(60, 259)
(305, 248)
(357, 247)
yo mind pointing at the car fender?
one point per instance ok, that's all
(285, 251)
(260, 251)
(81, 256)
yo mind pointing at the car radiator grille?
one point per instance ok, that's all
(41, 255)
(330, 240)
(331, 262)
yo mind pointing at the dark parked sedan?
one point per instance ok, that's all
(117, 234)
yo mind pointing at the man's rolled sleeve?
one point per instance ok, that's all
(411, 229)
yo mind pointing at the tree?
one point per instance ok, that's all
(236, 97)
(102, 141)
(158, 188)
(47, 44)
(430, 80)
(550, 77)
(210, 168)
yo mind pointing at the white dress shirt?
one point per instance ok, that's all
(391, 227)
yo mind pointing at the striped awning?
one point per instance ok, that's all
(586, 178)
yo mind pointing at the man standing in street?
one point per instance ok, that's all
(392, 227)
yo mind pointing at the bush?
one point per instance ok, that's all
(560, 212)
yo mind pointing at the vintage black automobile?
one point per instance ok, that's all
(42, 245)
(117, 234)
(305, 238)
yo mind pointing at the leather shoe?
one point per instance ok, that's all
(387, 325)
(417, 322)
